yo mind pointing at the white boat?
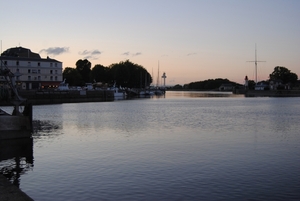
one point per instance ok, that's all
(146, 92)
(159, 91)
(18, 124)
(119, 93)
(63, 86)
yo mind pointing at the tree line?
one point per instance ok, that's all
(280, 74)
(124, 73)
(131, 75)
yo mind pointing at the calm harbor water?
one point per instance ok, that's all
(183, 146)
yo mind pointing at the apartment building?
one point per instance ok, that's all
(32, 71)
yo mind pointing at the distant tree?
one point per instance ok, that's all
(84, 69)
(128, 74)
(210, 84)
(101, 74)
(283, 74)
(72, 77)
(177, 86)
(121, 74)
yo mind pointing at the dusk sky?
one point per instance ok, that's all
(192, 40)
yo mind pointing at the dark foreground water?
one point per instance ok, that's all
(184, 146)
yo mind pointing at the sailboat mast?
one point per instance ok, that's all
(157, 83)
(255, 62)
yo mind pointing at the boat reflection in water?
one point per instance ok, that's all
(49, 129)
(16, 158)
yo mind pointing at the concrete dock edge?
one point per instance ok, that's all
(9, 192)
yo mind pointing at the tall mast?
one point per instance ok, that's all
(152, 77)
(157, 84)
(255, 62)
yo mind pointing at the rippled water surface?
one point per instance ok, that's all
(184, 146)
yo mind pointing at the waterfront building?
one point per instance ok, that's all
(262, 86)
(31, 71)
(226, 87)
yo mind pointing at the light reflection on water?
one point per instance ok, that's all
(172, 148)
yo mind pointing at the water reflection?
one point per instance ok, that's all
(175, 148)
(46, 128)
(16, 155)
(201, 94)
(16, 158)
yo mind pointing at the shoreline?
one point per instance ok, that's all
(57, 97)
(272, 93)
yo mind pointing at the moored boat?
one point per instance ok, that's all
(63, 86)
(119, 93)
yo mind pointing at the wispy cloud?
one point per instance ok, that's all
(55, 50)
(84, 52)
(191, 54)
(126, 53)
(132, 54)
(136, 54)
(90, 54)
(95, 52)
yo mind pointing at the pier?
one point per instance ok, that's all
(9, 192)
(37, 97)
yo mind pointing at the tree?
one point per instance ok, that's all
(128, 74)
(84, 69)
(210, 84)
(72, 77)
(177, 86)
(283, 74)
(101, 74)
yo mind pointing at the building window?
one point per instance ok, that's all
(39, 64)
(5, 62)
(39, 71)
(18, 70)
(51, 78)
(29, 71)
(39, 78)
(55, 71)
(55, 78)
(50, 64)
(17, 63)
(55, 64)
(29, 77)
(51, 71)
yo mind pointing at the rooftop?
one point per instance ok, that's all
(22, 54)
